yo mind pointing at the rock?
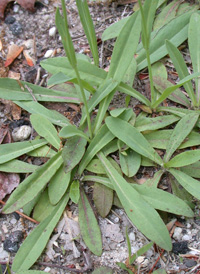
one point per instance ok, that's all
(177, 233)
(4, 255)
(9, 20)
(11, 244)
(132, 236)
(48, 53)
(16, 8)
(186, 237)
(52, 32)
(21, 133)
(180, 247)
(16, 28)
(190, 263)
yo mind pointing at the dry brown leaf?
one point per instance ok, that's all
(16, 112)
(3, 132)
(13, 75)
(8, 181)
(13, 52)
(26, 4)
(29, 52)
(1, 45)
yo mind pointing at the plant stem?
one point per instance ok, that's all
(84, 101)
(153, 94)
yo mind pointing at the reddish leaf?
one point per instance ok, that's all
(26, 4)
(8, 181)
(13, 52)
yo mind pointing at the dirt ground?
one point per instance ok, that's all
(60, 254)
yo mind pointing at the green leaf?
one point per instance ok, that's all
(33, 184)
(163, 200)
(31, 272)
(132, 138)
(181, 68)
(70, 131)
(184, 159)
(169, 90)
(177, 96)
(89, 227)
(182, 129)
(155, 123)
(194, 47)
(130, 163)
(160, 271)
(74, 191)
(125, 48)
(176, 31)
(192, 170)
(103, 137)
(130, 73)
(36, 241)
(103, 199)
(17, 166)
(44, 151)
(153, 182)
(190, 184)
(140, 252)
(73, 152)
(95, 166)
(45, 129)
(143, 216)
(88, 27)
(99, 179)
(14, 150)
(34, 107)
(43, 207)
(58, 185)
(10, 89)
(159, 68)
(103, 270)
(123, 266)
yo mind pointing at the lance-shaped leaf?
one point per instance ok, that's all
(17, 166)
(103, 199)
(169, 90)
(181, 131)
(132, 138)
(143, 216)
(181, 68)
(36, 241)
(70, 131)
(43, 208)
(14, 150)
(194, 47)
(74, 192)
(31, 272)
(33, 184)
(89, 227)
(44, 151)
(177, 96)
(103, 137)
(125, 48)
(190, 184)
(153, 182)
(164, 201)
(58, 185)
(130, 163)
(184, 159)
(144, 124)
(34, 107)
(192, 170)
(11, 89)
(45, 129)
(73, 152)
(88, 27)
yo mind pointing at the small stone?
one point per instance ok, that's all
(16, 28)
(16, 8)
(21, 133)
(132, 236)
(116, 220)
(3, 254)
(177, 233)
(9, 20)
(190, 263)
(48, 53)
(140, 259)
(52, 32)
(11, 244)
(13, 221)
(180, 247)
(47, 269)
(186, 237)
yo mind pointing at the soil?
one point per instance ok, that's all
(60, 252)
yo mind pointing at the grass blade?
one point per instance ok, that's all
(17, 166)
(184, 159)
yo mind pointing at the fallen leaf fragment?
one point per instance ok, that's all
(8, 181)
(13, 52)
(26, 4)
(13, 75)
(1, 45)
(29, 52)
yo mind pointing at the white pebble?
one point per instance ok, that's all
(21, 133)
(47, 269)
(13, 221)
(177, 233)
(52, 32)
(48, 53)
(4, 255)
(16, 8)
(187, 237)
(132, 236)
